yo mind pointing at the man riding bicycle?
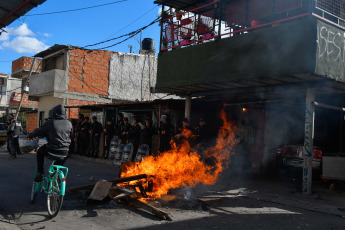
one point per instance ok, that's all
(59, 132)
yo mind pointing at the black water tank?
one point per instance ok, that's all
(147, 44)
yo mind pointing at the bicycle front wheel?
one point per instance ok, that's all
(34, 191)
(54, 199)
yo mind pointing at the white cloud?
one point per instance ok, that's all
(22, 30)
(24, 44)
(22, 40)
(4, 36)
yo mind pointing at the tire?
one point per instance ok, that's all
(54, 199)
(33, 192)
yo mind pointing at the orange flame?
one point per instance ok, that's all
(181, 166)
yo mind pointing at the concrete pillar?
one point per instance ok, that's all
(308, 142)
(188, 107)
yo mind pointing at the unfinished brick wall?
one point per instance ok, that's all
(24, 63)
(31, 122)
(89, 71)
(73, 112)
(26, 102)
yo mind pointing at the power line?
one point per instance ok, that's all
(131, 34)
(132, 22)
(72, 10)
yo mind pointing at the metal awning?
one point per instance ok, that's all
(11, 10)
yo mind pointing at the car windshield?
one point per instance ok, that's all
(2, 127)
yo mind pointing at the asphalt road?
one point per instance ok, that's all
(231, 207)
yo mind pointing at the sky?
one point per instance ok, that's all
(29, 35)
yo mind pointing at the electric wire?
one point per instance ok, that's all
(131, 34)
(72, 10)
(132, 22)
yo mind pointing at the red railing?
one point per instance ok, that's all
(204, 23)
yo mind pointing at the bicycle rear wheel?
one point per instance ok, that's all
(54, 199)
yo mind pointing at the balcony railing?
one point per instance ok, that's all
(222, 19)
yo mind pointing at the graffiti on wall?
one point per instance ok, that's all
(330, 51)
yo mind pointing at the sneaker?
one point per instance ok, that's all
(39, 177)
(13, 156)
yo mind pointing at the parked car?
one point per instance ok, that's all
(3, 134)
(291, 156)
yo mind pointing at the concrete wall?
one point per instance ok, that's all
(48, 82)
(131, 76)
(46, 103)
(330, 53)
(3, 94)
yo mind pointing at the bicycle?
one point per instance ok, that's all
(54, 185)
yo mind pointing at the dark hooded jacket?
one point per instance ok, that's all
(58, 131)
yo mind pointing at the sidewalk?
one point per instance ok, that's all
(287, 192)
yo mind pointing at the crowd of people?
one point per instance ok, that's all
(88, 134)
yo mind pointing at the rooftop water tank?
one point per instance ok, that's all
(147, 44)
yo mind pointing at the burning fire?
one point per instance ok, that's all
(182, 165)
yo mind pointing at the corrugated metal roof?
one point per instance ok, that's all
(54, 49)
(11, 10)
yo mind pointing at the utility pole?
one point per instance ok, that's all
(141, 32)
(25, 83)
(308, 148)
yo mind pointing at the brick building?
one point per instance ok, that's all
(20, 71)
(73, 76)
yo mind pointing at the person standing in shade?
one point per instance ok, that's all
(201, 133)
(125, 130)
(14, 130)
(8, 123)
(79, 134)
(118, 126)
(184, 133)
(148, 131)
(166, 132)
(134, 136)
(95, 131)
(85, 136)
(109, 131)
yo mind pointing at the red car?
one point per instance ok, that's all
(292, 156)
